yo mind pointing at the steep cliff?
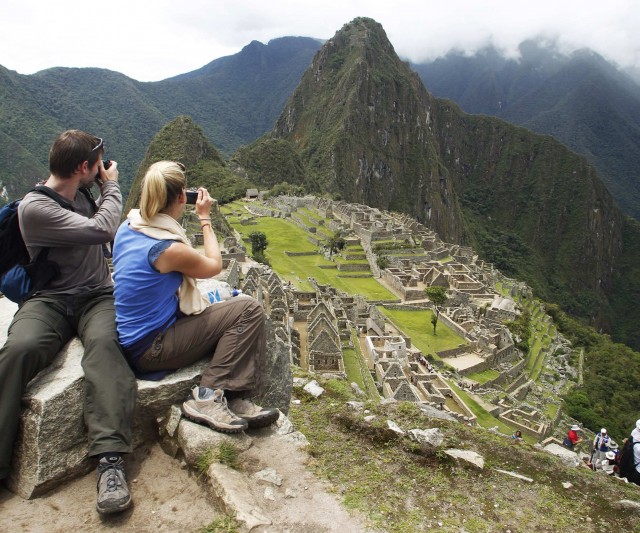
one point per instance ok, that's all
(366, 128)
(362, 123)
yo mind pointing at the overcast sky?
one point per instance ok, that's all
(157, 39)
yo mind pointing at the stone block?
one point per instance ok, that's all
(51, 445)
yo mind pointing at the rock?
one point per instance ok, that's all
(513, 474)
(270, 476)
(300, 382)
(276, 383)
(358, 406)
(370, 418)
(432, 437)
(155, 397)
(567, 484)
(283, 425)
(356, 389)
(395, 428)
(313, 388)
(194, 440)
(567, 457)
(629, 505)
(232, 489)
(467, 456)
(296, 438)
(51, 445)
(170, 422)
(432, 412)
(269, 494)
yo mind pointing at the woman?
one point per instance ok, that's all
(164, 322)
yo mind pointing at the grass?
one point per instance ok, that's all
(352, 367)
(285, 236)
(484, 376)
(224, 524)
(417, 325)
(226, 454)
(357, 370)
(400, 486)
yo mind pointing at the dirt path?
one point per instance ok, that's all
(166, 498)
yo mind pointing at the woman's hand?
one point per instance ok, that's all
(203, 203)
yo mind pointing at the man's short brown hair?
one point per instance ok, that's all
(72, 148)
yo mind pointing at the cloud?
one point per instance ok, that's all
(152, 41)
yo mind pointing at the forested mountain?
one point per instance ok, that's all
(365, 128)
(361, 125)
(182, 140)
(580, 99)
(234, 99)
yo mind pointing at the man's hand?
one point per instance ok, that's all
(110, 174)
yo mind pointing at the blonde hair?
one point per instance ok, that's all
(162, 184)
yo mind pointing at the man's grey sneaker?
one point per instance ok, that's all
(256, 416)
(213, 412)
(113, 493)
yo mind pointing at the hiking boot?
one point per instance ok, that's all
(212, 410)
(256, 416)
(113, 493)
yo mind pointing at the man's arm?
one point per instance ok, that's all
(44, 222)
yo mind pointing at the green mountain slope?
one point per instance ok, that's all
(360, 120)
(581, 99)
(235, 99)
(365, 128)
(182, 140)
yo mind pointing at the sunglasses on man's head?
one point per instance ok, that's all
(100, 145)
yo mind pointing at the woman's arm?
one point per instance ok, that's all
(182, 258)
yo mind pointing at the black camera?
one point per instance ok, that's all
(106, 163)
(192, 196)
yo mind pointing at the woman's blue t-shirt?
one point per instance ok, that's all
(146, 300)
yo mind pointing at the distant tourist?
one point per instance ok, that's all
(602, 443)
(165, 323)
(516, 438)
(572, 437)
(629, 459)
(608, 465)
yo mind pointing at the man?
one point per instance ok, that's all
(572, 437)
(601, 444)
(79, 300)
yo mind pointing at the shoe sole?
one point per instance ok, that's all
(195, 417)
(261, 421)
(122, 507)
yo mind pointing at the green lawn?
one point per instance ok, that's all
(484, 376)
(286, 236)
(417, 325)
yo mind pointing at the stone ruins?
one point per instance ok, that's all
(321, 324)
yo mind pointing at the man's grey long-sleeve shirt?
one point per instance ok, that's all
(74, 238)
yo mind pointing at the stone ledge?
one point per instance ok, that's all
(51, 446)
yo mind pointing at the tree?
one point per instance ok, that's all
(382, 261)
(335, 243)
(258, 241)
(437, 295)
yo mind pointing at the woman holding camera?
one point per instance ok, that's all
(164, 322)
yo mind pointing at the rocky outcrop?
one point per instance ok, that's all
(51, 445)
